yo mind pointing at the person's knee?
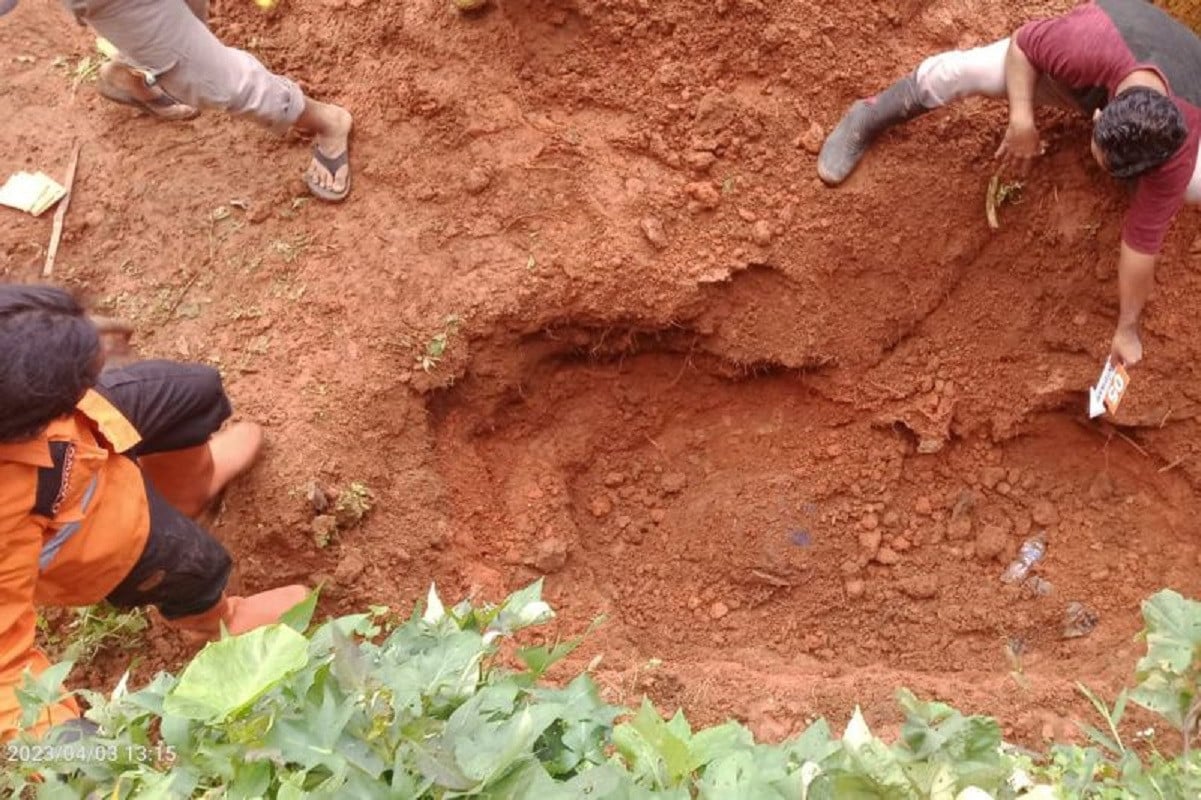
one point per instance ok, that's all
(940, 79)
(956, 74)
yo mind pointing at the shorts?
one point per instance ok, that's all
(183, 570)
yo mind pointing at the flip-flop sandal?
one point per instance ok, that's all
(330, 165)
(163, 106)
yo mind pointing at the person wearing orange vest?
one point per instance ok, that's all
(101, 472)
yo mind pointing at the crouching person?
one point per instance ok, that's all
(101, 472)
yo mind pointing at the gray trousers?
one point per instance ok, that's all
(170, 42)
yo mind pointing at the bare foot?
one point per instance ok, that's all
(234, 450)
(328, 175)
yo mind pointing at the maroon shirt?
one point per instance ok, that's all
(1091, 50)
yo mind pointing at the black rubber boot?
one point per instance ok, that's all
(860, 126)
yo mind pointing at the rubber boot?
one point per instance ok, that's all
(241, 614)
(863, 122)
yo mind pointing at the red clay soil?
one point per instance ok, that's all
(784, 437)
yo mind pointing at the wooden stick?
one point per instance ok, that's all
(57, 233)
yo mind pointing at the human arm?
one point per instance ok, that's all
(1021, 143)
(21, 535)
(1136, 277)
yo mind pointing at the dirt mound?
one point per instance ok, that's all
(590, 314)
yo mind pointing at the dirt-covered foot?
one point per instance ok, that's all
(122, 85)
(328, 175)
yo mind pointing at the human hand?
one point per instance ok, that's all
(1127, 348)
(1020, 147)
(114, 338)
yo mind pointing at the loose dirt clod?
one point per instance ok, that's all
(1044, 514)
(992, 544)
(706, 195)
(324, 526)
(652, 229)
(888, 557)
(551, 555)
(718, 610)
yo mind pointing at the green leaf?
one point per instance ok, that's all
(1173, 632)
(300, 615)
(815, 745)
(229, 675)
(653, 748)
(36, 693)
(713, 743)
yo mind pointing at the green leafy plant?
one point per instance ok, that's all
(353, 504)
(372, 706)
(436, 346)
(79, 634)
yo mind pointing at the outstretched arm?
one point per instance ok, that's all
(1021, 144)
(1136, 277)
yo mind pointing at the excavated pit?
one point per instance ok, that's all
(743, 521)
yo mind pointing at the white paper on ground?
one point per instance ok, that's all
(31, 192)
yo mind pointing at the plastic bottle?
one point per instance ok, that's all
(1033, 549)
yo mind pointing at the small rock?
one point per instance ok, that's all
(478, 179)
(694, 603)
(623, 521)
(762, 233)
(888, 557)
(658, 515)
(614, 479)
(870, 541)
(813, 137)
(704, 193)
(891, 519)
(901, 544)
(259, 213)
(652, 229)
(349, 569)
(94, 218)
(921, 587)
(1044, 513)
(991, 476)
(834, 450)
(601, 506)
(869, 522)
(550, 555)
(674, 482)
(992, 543)
(850, 567)
(747, 215)
(1004, 489)
(855, 588)
(922, 506)
(718, 610)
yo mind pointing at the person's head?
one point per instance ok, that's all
(50, 355)
(1139, 130)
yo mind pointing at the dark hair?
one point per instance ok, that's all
(1138, 131)
(48, 358)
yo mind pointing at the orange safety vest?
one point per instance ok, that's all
(73, 522)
